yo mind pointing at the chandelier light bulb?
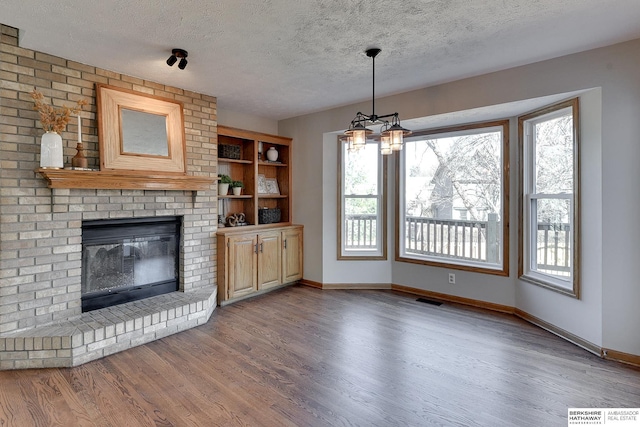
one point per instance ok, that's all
(385, 145)
(396, 140)
(359, 139)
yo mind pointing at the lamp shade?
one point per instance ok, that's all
(397, 140)
(359, 139)
(396, 134)
(385, 145)
(350, 147)
(359, 134)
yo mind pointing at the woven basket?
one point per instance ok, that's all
(268, 216)
(226, 151)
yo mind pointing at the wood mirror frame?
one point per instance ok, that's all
(170, 159)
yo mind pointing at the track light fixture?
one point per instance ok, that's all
(391, 134)
(175, 54)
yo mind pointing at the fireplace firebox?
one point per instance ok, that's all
(129, 259)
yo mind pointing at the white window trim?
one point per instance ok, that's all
(571, 285)
(530, 244)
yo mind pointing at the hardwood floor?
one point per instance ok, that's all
(306, 357)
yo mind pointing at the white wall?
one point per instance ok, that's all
(238, 120)
(334, 271)
(483, 287)
(619, 68)
(607, 315)
(581, 317)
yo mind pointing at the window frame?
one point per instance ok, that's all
(400, 256)
(381, 228)
(527, 193)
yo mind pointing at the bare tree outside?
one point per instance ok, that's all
(453, 195)
(551, 193)
(554, 167)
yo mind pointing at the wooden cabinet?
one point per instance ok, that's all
(253, 169)
(292, 254)
(242, 265)
(269, 259)
(255, 258)
(251, 261)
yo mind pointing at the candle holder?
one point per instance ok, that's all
(79, 160)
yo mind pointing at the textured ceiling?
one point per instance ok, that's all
(283, 58)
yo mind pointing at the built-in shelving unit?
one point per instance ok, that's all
(251, 165)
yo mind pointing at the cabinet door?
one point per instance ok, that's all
(243, 263)
(292, 255)
(269, 259)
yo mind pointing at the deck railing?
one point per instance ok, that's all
(454, 238)
(464, 239)
(361, 231)
(554, 244)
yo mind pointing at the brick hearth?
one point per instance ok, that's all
(106, 331)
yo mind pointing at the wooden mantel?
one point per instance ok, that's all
(122, 180)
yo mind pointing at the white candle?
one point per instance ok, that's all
(79, 130)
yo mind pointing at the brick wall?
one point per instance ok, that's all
(40, 234)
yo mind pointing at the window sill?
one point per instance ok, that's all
(547, 282)
(494, 269)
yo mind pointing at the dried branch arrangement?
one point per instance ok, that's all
(54, 119)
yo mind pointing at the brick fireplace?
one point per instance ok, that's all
(41, 322)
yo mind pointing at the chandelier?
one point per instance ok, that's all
(391, 133)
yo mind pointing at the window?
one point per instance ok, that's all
(362, 198)
(453, 192)
(549, 214)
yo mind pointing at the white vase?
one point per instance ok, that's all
(272, 154)
(237, 191)
(51, 151)
(223, 189)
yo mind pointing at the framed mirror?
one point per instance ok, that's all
(139, 132)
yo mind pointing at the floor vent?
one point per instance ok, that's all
(429, 301)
